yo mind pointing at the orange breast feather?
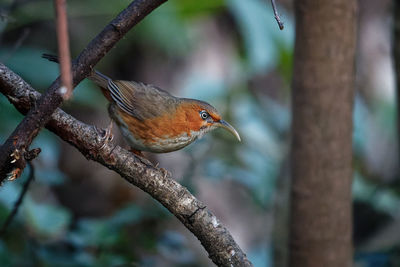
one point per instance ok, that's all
(184, 120)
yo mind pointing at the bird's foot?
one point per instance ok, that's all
(106, 135)
(165, 172)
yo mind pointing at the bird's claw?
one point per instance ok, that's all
(165, 173)
(106, 135)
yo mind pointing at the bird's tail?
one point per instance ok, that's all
(52, 58)
(97, 77)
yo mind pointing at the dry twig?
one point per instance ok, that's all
(277, 18)
(63, 47)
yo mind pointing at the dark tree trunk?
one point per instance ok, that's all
(321, 155)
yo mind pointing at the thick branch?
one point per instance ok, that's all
(214, 237)
(36, 118)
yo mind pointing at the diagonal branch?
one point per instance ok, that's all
(277, 18)
(20, 140)
(214, 237)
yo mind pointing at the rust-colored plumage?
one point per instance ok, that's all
(153, 120)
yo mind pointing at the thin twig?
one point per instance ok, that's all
(18, 203)
(63, 48)
(278, 19)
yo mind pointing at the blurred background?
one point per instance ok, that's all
(231, 54)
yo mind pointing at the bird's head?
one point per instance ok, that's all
(203, 117)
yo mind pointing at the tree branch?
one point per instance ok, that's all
(63, 46)
(214, 237)
(277, 18)
(20, 140)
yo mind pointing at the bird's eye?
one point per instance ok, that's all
(204, 115)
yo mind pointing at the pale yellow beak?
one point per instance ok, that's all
(227, 126)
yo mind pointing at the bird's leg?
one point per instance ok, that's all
(109, 136)
(164, 171)
(106, 135)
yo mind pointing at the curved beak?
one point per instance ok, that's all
(227, 126)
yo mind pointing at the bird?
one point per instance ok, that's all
(151, 119)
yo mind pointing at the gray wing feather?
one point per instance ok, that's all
(140, 100)
(121, 100)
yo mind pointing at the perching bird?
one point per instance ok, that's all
(153, 120)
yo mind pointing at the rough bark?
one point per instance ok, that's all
(214, 236)
(19, 141)
(321, 149)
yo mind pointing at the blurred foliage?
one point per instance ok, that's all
(251, 87)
